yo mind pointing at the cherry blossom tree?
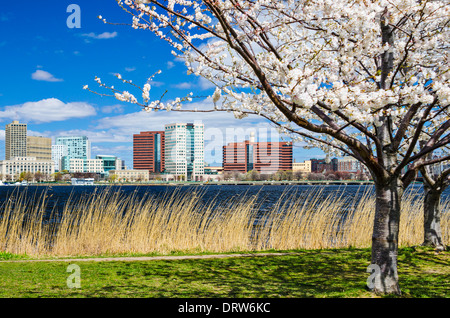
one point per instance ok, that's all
(355, 77)
(434, 185)
(436, 178)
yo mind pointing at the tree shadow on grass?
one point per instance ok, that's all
(306, 275)
(340, 273)
(287, 276)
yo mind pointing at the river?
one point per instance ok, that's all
(57, 196)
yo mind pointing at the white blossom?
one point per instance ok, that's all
(290, 58)
(216, 95)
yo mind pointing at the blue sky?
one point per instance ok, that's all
(44, 65)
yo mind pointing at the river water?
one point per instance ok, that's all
(268, 195)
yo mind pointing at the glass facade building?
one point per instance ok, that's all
(78, 147)
(184, 150)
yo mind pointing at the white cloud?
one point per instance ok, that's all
(101, 36)
(205, 84)
(97, 136)
(47, 110)
(46, 134)
(156, 83)
(170, 64)
(130, 69)
(140, 121)
(115, 150)
(184, 85)
(220, 127)
(41, 75)
(202, 84)
(113, 108)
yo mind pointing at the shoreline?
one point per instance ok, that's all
(181, 183)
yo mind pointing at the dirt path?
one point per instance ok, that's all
(147, 258)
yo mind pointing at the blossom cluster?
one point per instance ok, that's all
(284, 60)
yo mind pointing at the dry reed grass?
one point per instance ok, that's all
(110, 222)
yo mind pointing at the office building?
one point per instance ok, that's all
(120, 164)
(18, 144)
(111, 163)
(58, 152)
(86, 165)
(149, 151)
(184, 150)
(102, 164)
(323, 165)
(238, 156)
(39, 147)
(304, 167)
(78, 147)
(15, 140)
(350, 164)
(12, 168)
(213, 170)
(129, 175)
(264, 157)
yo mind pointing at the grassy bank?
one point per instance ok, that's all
(110, 222)
(310, 273)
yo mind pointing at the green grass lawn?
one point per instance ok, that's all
(310, 273)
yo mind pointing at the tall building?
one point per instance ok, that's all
(149, 151)
(78, 147)
(273, 156)
(238, 156)
(15, 140)
(264, 157)
(184, 150)
(58, 152)
(39, 147)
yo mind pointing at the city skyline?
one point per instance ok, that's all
(177, 153)
(46, 64)
(234, 135)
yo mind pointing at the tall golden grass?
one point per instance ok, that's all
(111, 222)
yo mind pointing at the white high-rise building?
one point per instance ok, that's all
(58, 152)
(184, 150)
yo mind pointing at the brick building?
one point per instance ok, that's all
(148, 151)
(265, 157)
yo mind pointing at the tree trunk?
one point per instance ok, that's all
(432, 218)
(385, 236)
